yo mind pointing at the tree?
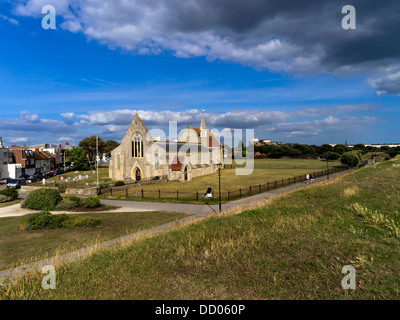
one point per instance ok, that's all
(351, 158)
(325, 148)
(240, 146)
(89, 145)
(79, 158)
(360, 147)
(332, 155)
(340, 148)
(109, 146)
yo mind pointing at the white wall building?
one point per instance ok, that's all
(8, 169)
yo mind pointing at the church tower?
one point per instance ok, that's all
(203, 128)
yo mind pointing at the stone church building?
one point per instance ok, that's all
(142, 157)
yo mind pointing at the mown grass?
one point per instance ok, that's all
(19, 247)
(293, 248)
(265, 170)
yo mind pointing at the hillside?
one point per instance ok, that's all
(294, 248)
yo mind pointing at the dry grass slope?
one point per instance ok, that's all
(291, 248)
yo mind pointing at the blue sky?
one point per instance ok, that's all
(88, 78)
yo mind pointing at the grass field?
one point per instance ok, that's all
(293, 248)
(22, 246)
(265, 170)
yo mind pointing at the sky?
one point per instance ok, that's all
(286, 69)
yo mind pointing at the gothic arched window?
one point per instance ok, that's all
(137, 146)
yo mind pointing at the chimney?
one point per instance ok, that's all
(67, 143)
(1, 142)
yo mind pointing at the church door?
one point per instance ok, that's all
(137, 174)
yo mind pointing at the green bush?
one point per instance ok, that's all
(119, 183)
(42, 199)
(44, 220)
(5, 199)
(351, 158)
(91, 202)
(67, 205)
(10, 192)
(73, 198)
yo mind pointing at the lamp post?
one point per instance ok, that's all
(219, 166)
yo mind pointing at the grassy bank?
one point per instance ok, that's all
(294, 248)
(19, 247)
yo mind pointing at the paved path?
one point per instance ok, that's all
(197, 212)
(16, 211)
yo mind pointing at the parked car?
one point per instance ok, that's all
(60, 170)
(38, 175)
(32, 179)
(5, 180)
(48, 175)
(24, 176)
(16, 183)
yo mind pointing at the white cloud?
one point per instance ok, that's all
(387, 84)
(330, 125)
(30, 117)
(113, 124)
(10, 20)
(19, 139)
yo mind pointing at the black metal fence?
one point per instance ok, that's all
(225, 195)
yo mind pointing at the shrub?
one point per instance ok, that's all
(44, 220)
(73, 198)
(35, 221)
(119, 183)
(5, 199)
(351, 158)
(156, 178)
(91, 202)
(11, 192)
(42, 199)
(67, 205)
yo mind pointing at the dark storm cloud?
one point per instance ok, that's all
(299, 37)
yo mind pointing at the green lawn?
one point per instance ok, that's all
(293, 248)
(22, 246)
(265, 170)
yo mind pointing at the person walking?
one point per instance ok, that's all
(311, 178)
(308, 178)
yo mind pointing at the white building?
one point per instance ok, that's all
(8, 169)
